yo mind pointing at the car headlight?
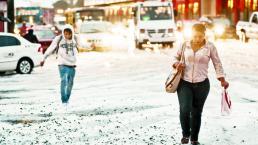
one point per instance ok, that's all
(108, 41)
(187, 33)
(219, 30)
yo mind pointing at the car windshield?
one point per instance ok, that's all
(156, 13)
(44, 34)
(222, 21)
(95, 27)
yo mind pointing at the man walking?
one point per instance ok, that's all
(65, 46)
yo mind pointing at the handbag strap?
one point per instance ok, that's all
(182, 59)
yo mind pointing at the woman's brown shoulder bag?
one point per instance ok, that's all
(174, 77)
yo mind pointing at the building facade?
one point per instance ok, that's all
(35, 15)
(235, 10)
(187, 9)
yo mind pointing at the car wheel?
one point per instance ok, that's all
(171, 44)
(24, 66)
(138, 45)
(168, 45)
(243, 37)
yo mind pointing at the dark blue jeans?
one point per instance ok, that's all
(191, 98)
(67, 74)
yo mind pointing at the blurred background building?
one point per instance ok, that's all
(235, 10)
(69, 11)
(34, 15)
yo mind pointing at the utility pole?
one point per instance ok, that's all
(10, 15)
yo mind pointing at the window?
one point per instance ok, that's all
(95, 27)
(156, 13)
(247, 3)
(254, 20)
(255, 5)
(181, 10)
(230, 4)
(9, 41)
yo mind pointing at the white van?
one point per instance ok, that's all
(154, 23)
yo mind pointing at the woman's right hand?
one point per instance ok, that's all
(179, 66)
(42, 63)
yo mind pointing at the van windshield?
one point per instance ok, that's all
(155, 13)
(97, 27)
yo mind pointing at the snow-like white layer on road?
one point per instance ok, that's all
(120, 99)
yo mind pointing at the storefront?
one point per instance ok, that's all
(187, 9)
(3, 15)
(246, 8)
(35, 15)
(115, 10)
(236, 10)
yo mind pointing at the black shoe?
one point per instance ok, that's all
(195, 143)
(184, 140)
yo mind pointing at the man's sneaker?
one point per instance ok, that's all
(184, 140)
(195, 143)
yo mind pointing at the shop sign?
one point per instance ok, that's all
(27, 12)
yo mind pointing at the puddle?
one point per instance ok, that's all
(24, 121)
(2, 98)
(12, 91)
(46, 115)
(110, 111)
(249, 100)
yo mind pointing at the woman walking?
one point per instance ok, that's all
(194, 86)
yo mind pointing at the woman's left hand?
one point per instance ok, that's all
(224, 84)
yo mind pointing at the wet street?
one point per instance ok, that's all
(119, 98)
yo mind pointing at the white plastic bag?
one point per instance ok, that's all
(226, 105)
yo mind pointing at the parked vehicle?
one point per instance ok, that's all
(154, 23)
(246, 30)
(185, 27)
(210, 33)
(99, 33)
(45, 36)
(18, 54)
(223, 28)
(219, 26)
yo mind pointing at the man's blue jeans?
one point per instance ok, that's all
(67, 74)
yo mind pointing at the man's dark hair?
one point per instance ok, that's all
(68, 30)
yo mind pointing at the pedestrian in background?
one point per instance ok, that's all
(31, 37)
(23, 29)
(194, 86)
(65, 46)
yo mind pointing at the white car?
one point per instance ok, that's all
(99, 33)
(18, 54)
(246, 30)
